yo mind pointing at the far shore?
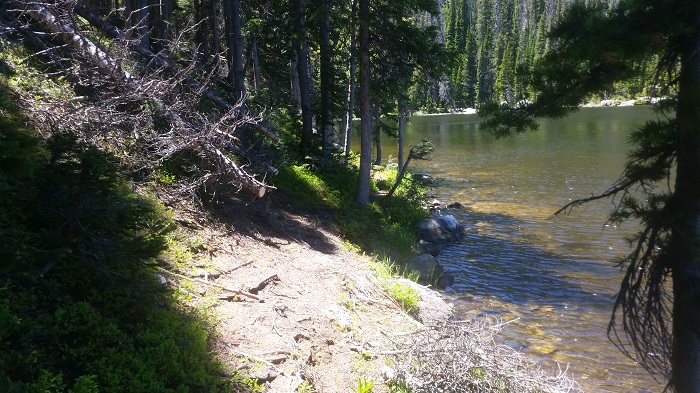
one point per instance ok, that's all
(602, 104)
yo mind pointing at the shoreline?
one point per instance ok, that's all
(640, 101)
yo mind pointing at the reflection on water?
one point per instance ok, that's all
(553, 276)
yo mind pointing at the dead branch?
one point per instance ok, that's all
(464, 357)
(236, 291)
(232, 170)
(160, 62)
(187, 128)
(263, 284)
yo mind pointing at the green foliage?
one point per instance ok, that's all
(364, 385)
(305, 387)
(406, 296)
(385, 227)
(398, 388)
(80, 310)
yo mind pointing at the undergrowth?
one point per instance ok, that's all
(81, 309)
(386, 228)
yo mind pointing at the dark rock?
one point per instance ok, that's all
(430, 271)
(433, 249)
(423, 178)
(455, 205)
(445, 280)
(441, 230)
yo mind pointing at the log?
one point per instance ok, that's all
(75, 40)
(115, 33)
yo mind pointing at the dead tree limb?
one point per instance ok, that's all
(247, 181)
(160, 62)
(225, 288)
(194, 135)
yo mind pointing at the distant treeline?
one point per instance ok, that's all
(495, 39)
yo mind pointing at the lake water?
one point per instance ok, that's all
(553, 277)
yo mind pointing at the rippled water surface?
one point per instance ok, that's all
(553, 276)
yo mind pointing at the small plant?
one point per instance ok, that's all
(398, 388)
(364, 385)
(406, 296)
(305, 387)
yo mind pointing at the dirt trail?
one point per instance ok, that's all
(322, 316)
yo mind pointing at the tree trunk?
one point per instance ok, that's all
(201, 36)
(136, 14)
(237, 65)
(254, 61)
(347, 139)
(377, 133)
(685, 244)
(403, 115)
(399, 176)
(234, 44)
(326, 80)
(363, 180)
(214, 26)
(302, 52)
(143, 28)
(294, 78)
(159, 19)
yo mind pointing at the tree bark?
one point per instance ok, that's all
(302, 52)
(214, 26)
(399, 176)
(347, 135)
(377, 134)
(403, 117)
(326, 80)
(685, 243)
(234, 44)
(254, 61)
(201, 35)
(294, 77)
(159, 15)
(363, 180)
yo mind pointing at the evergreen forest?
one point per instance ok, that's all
(113, 113)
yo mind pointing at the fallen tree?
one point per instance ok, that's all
(172, 125)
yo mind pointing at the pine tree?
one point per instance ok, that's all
(656, 319)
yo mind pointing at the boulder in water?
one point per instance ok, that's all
(436, 233)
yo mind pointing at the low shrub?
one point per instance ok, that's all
(80, 307)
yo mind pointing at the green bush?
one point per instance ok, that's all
(80, 307)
